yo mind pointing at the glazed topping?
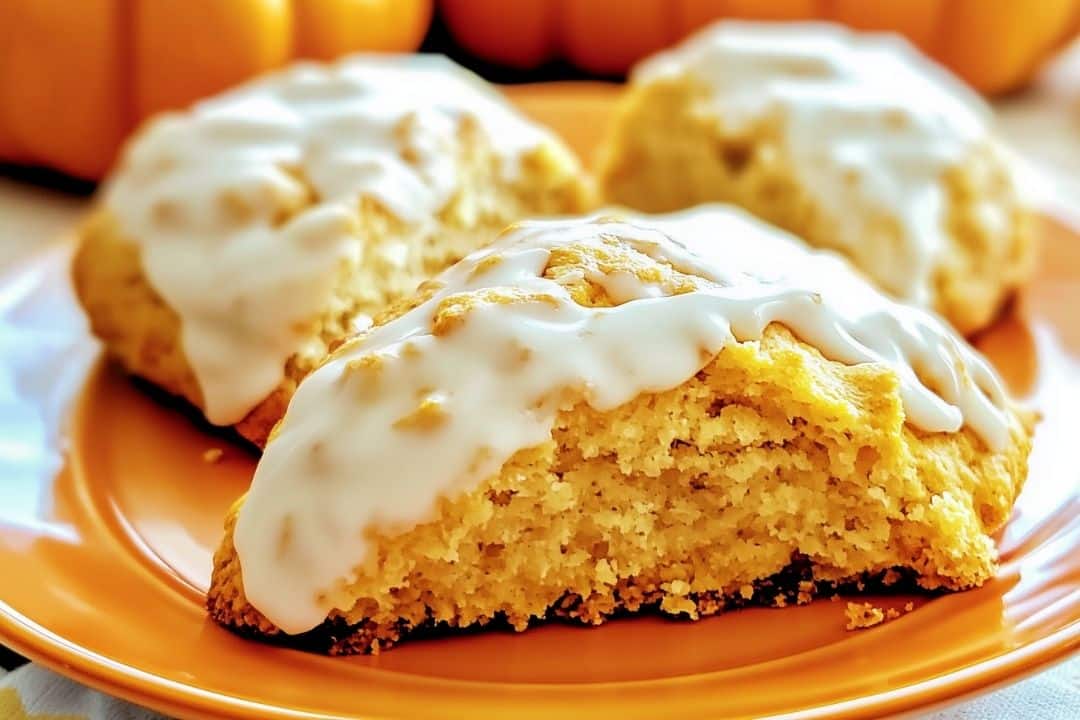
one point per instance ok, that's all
(244, 208)
(437, 400)
(870, 126)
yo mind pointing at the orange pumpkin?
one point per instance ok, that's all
(993, 44)
(76, 77)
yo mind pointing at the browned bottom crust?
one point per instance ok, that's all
(794, 585)
(184, 407)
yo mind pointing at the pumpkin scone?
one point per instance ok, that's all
(237, 242)
(855, 142)
(587, 418)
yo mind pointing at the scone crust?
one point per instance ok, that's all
(666, 150)
(800, 471)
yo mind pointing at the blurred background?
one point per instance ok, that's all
(77, 77)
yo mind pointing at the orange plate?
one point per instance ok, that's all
(104, 557)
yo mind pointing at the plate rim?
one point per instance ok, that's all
(122, 680)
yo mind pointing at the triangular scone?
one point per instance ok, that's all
(237, 241)
(853, 141)
(587, 418)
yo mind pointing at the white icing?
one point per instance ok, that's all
(870, 124)
(203, 193)
(345, 455)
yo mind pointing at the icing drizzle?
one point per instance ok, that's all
(415, 409)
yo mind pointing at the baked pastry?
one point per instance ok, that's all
(235, 243)
(588, 418)
(855, 142)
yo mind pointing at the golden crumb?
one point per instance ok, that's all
(488, 263)
(369, 365)
(863, 615)
(213, 455)
(891, 577)
(428, 415)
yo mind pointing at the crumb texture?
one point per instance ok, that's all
(862, 615)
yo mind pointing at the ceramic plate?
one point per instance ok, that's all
(109, 515)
